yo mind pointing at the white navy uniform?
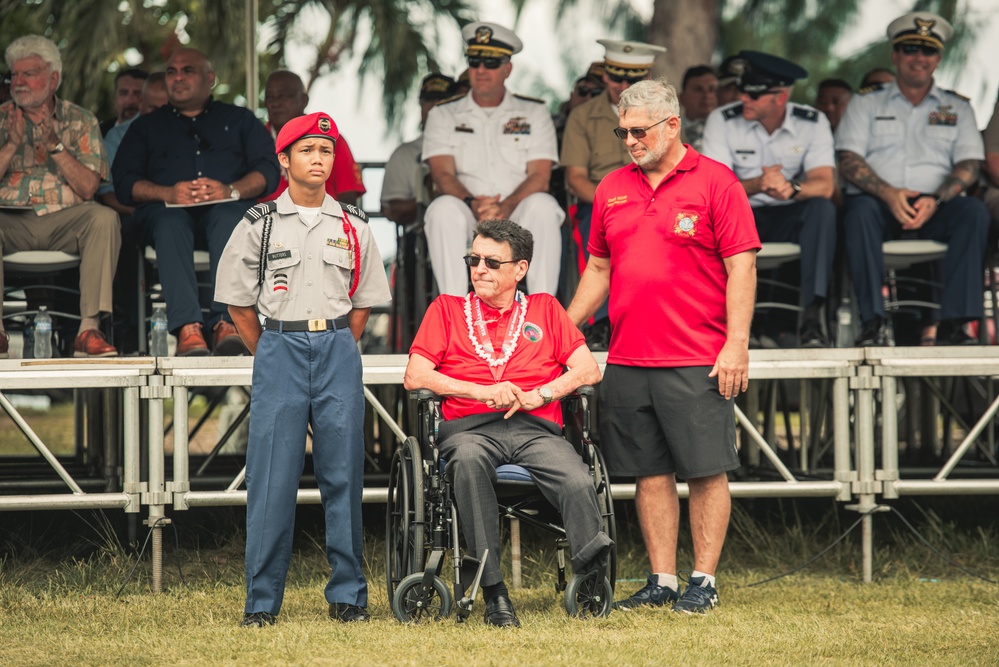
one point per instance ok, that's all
(303, 377)
(491, 148)
(914, 147)
(802, 142)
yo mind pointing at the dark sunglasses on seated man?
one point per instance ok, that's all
(488, 63)
(913, 49)
(757, 94)
(584, 91)
(472, 261)
(632, 80)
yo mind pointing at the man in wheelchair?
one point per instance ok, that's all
(498, 357)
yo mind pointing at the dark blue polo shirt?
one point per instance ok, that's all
(223, 142)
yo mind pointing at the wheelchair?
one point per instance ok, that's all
(422, 522)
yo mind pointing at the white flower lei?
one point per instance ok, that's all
(486, 355)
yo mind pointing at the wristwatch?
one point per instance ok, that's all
(59, 148)
(796, 186)
(233, 193)
(468, 201)
(546, 395)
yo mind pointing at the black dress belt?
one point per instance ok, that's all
(307, 325)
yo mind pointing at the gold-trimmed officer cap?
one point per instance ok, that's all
(318, 125)
(630, 59)
(489, 40)
(922, 28)
(436, 87)
(764, 71)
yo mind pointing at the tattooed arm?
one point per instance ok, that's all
(856, 170)
(964, 175)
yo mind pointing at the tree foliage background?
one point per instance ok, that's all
(397, 40)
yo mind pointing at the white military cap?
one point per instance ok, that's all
(488, 40)
(920, 28)
(629, 59)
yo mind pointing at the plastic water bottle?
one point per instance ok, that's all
(844, 324)
(158, 332)
(43, 334)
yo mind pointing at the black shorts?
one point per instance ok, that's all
(658, 421)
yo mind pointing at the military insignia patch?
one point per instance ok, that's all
(517, 125)
(686, 224)
(338, 243)
(944, 115)
(324, 124)
(483, 35)
(923, 26)
(533, 332)
(280, 282)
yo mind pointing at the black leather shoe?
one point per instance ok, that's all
(872, 333)
(951, 332)
(258, 619)
(811, 335)
(348, 613)
(499, 612)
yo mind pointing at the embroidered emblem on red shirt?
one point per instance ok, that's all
(533, 332)
(686, 224)
(613, 201)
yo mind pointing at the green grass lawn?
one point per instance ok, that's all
(58, 597)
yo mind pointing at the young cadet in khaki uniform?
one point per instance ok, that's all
(310, 266)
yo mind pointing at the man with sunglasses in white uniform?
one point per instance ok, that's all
(490, 154)
(908, 151)
(782, 153)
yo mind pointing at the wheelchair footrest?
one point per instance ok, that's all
(471, 568)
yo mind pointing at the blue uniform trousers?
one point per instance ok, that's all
(812, 225)
(302, 378)
(172, 232)
(961, 223)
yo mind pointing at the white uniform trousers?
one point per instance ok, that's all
(450, 227)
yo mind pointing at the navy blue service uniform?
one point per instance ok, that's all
(304, 272)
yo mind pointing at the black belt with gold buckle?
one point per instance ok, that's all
(307, 325)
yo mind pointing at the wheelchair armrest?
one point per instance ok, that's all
(423, 395)
(583, 390)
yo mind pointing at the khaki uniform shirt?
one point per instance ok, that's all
(309, 266)
(405, 173)
(589, 139)
(32, 179)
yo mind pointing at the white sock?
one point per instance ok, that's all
(667, 580)
(709, 579)
(88, 323)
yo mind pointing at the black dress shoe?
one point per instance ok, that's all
(872, 333)
(951, 332)
(258, 619)
(348, 613)
(499, 612)
(811, 335)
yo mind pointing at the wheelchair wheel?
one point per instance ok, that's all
(606, 504)
(586, 597)
(404, 520)
(413, 603)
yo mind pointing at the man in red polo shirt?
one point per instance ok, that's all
(674, 244)
(498, 356)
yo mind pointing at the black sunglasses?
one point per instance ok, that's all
(637, 132)
(755, 95)
(616, 78)
(472, 261)
(582, 91)
(488, 63)
(913, 49)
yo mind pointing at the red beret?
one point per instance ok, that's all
(316, 124)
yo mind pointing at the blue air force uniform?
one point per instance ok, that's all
(802, 142)
(914, 147)
(304, 271)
